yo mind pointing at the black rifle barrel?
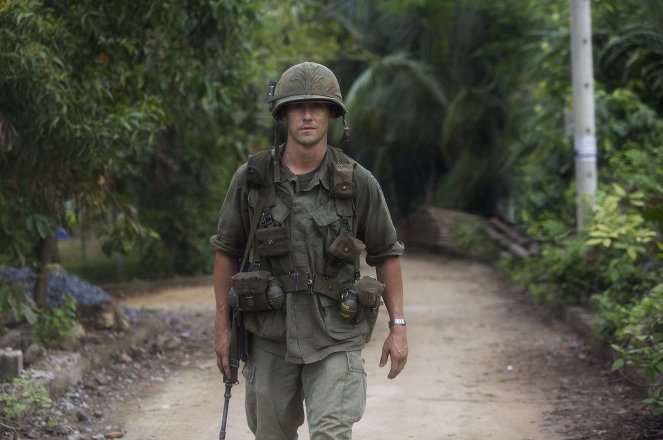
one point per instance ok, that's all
(232, 380)
(226, 404)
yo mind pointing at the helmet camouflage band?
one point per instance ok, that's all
(307, 82)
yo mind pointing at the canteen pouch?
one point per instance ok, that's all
(250, 290)
(271, 242)
(346, 247)
(369, 296)
(342, 182)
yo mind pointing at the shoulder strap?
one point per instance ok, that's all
(262, 197)
(259, 173)
(342, 186)
(258, 168)
(342, 189)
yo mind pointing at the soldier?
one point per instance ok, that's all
(293, 224)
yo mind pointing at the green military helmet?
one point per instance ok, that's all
(307, 82)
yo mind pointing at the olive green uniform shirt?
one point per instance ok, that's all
(309, 326)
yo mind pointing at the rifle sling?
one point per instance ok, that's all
(262, 196)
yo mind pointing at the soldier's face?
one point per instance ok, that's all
(308, 122)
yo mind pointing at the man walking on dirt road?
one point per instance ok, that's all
(291, 230)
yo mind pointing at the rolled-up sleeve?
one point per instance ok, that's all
(374, 224)
(231, 232)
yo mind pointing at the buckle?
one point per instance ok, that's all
(267, 218)
(295, 281)
(311, 279)
(247, 300)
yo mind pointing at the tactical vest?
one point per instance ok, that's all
(263, 173)
(359, 299)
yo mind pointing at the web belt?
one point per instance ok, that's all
(311, 283)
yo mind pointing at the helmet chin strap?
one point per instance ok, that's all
(277, 154)
(346, 133)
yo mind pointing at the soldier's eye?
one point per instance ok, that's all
(313, 107)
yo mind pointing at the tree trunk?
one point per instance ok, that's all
(44, 252)
(83, 243)
(121, 266)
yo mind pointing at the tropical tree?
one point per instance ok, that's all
(431, 103)
(630, 38)
(66, 123)
(88, 90)
(199, 62)
(222, 120)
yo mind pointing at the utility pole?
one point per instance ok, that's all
(584, 136)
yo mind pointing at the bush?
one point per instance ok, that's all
(21, 398)
(639, 342)
(618, 257)
(560, 275)
(15, 304)
(55, 325)
(470, 238)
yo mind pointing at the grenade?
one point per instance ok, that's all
(348, 305)
(275, 296)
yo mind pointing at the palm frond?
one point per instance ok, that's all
(386, 68)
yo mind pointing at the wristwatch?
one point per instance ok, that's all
(397, 321)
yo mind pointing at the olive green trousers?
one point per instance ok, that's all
(333, 391)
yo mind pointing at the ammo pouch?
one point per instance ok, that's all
(346, 248)
(271, 242)
(342, 185)
(255, 291)
(369, 296)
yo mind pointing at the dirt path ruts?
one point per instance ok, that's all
(484, 364)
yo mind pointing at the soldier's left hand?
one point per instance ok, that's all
(395, 347)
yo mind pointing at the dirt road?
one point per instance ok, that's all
(484, 364)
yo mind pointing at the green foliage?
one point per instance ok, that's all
(15, 303)
(431, 103)
(48, 325)
(618, 228)
(194, 159)
(210, 103)
(102, 269)
(631, 48)
(471, 239)
(67, 120)
(55, 325)
(639, 342)
(560, 274)
(21, 398)
(107, 106)
(608, 266)
(623, 252)
(131, 116)
(297, 31)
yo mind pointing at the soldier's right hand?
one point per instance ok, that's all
(222, 348)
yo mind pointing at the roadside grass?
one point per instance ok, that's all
(86, 260)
